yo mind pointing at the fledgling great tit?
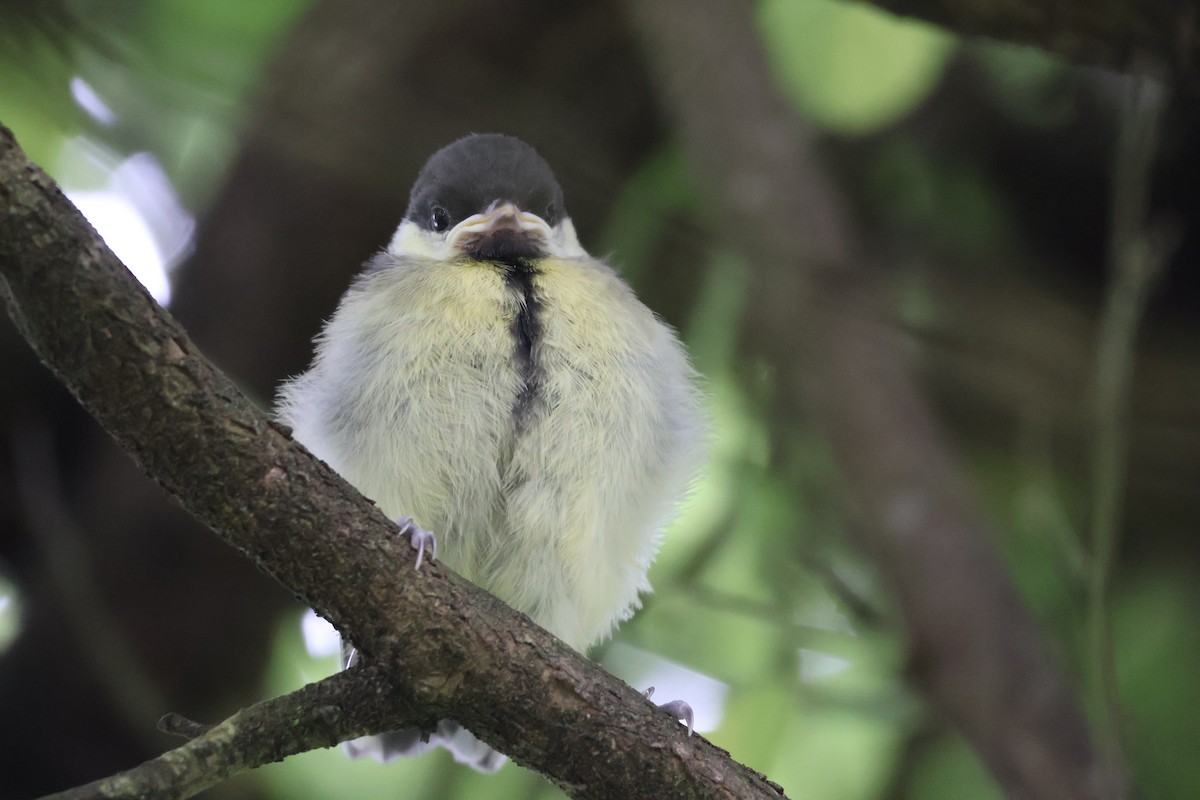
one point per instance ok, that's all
(487, 378)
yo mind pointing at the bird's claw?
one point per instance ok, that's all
(676, 708)
(419, 538)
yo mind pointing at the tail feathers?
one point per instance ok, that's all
(462, 744)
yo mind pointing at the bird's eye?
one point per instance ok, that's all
(551, 211)
(439, 219)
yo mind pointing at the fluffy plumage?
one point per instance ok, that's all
(530, 411)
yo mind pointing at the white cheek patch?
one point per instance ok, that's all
(564, 243)
(411, 241)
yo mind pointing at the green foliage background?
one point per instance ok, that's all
(759, 581)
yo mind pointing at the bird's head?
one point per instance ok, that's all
(486, 197)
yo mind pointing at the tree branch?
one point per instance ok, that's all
(1114, 35)
(448, 647)
(343, 706)
(976, 651)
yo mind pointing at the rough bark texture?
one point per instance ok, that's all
(976, 650)
(451, 649)
(342, 120)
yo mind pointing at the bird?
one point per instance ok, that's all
(507, 399)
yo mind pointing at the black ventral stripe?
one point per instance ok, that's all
(516, 254)
(527, 333)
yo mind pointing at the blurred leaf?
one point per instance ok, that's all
(834, 755)
(646, 206)
(767, 510)
(755, 719)
(1156, 629)
(511, 781)
(950, 769)
(951, 201)
(712, 331)
(217, 46)
(35, 103)
(737, 442)
(677, 627)
(851, 68)
(1024, 82)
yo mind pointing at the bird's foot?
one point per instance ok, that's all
(676, 708)
(419, 538)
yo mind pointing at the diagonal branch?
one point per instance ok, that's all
(976, 649)
(448, 647)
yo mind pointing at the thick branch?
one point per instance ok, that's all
(976, 649)
(1116, 34)
(448, 647)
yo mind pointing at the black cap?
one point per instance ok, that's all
(467, 176)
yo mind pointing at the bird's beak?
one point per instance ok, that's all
(502, 219)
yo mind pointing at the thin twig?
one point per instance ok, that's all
(829, 640)
(179, 725)
(1137, 256)
(345, 705)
